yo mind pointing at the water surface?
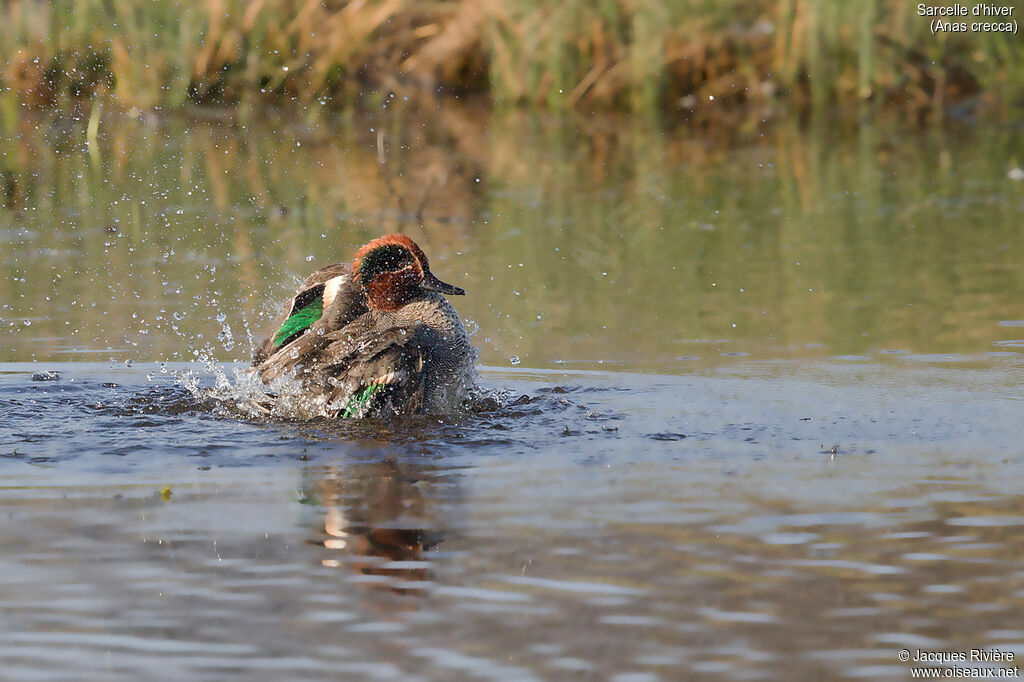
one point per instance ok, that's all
(751, 411)
(649, 250)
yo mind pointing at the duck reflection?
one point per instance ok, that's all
(378, 521)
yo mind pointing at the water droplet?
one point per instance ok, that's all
(226, 338)
(310, 258)
(514, 360)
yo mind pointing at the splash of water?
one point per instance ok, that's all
(238, 390)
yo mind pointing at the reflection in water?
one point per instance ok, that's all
(658, 251)
(377, 522)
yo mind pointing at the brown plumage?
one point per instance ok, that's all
(350, 305)
(385, 342)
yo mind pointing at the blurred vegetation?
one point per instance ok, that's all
(694, 58)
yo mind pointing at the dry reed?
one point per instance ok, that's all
(635, 55)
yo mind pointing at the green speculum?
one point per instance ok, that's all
(299, 321)
(358, 401)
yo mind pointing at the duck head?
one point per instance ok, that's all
(392, 271)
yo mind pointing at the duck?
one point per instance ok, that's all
(376, 338)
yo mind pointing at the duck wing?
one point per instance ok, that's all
(374, 370)
(327, 300)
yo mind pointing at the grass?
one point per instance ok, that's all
(696, 58)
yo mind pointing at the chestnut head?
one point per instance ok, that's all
(392, 271)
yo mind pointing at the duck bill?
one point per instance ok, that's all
(431, 283)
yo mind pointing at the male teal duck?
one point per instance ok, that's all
(374, 340)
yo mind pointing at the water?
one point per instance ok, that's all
(762, 420)
(594, 527)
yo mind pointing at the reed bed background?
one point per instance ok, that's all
(694, 58)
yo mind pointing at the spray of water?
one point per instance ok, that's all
(237, 390)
